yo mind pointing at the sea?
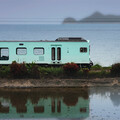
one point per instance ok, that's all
(104, 38)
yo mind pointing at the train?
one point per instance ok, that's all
(45, 52)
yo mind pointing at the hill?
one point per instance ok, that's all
(96, 17)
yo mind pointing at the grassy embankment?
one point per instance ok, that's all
(33, 71)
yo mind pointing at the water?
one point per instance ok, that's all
(104, 38)
(60, 103)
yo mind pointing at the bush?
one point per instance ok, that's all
(57, 71)
(96, 66)
(18, 70)
(4, 71)
(115, 70)
(85, 71)
(44, 72)
(33, 70)
(47, 72)
(70, 68)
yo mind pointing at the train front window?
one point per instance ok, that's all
(4, 54)
(38, 51)
(21, 51)
(83, 49)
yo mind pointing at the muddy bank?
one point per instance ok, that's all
(27, 83)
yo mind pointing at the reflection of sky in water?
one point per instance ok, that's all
(105, 103)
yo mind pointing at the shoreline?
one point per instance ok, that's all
(57, 83)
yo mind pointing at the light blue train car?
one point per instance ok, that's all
(58, 52)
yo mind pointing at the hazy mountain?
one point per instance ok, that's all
(69, 20)
(95, 17)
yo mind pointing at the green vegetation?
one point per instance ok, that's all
(32, 71)
(115, 70)
(97, 67)
(51, 72)
(4, 71)
(69, 70)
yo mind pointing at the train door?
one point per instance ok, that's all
(56, 54)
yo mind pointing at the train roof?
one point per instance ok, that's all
(60, 39)
(71, 39)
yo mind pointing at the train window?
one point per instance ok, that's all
(83, 49)
(21, 51)
(4, 54)
(53, 53)
(38, 51)
(58, 53)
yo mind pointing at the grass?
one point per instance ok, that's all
(51, 72)
(4, 71)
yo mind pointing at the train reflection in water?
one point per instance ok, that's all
(44, 103)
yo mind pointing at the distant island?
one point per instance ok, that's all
(96, 17)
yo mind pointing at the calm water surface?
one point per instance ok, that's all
(60, 104)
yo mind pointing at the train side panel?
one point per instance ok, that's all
(44, 52)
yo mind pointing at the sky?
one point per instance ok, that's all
(54, 10)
